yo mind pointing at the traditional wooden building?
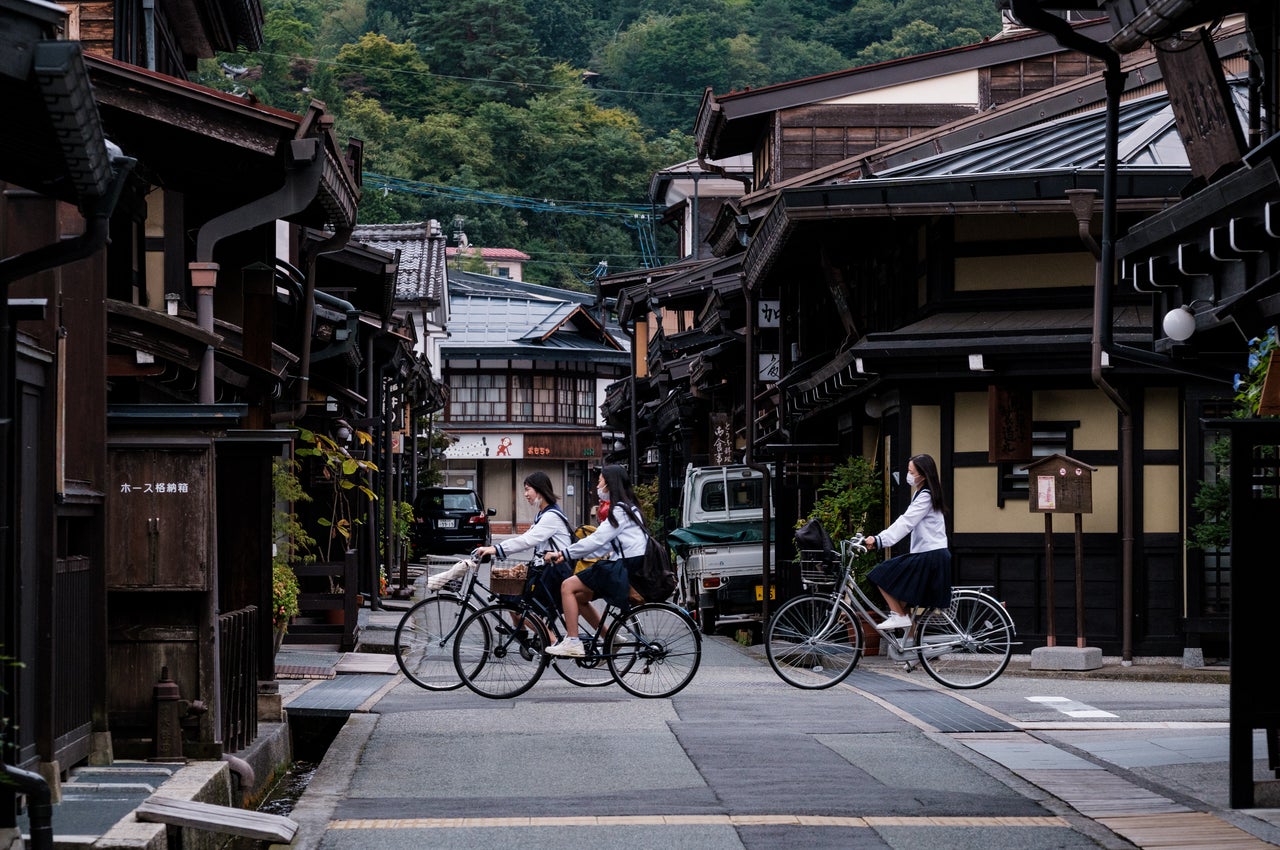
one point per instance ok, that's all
(932, 291)
(525, 366)
(165, 371)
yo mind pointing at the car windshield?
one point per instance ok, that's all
(459, 502)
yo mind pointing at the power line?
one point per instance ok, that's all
(517, 83)
(599, 209)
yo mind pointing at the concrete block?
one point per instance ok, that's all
(1066, 658)
(130, 834)
(270, 708)
(1266, 794)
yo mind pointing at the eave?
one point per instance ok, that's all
(227, 149)
(731, 123)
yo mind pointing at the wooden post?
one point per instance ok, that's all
(1050, 630)
(1080, 581)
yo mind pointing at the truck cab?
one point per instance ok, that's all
(719, 544)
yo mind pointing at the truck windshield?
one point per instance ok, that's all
(743, 495)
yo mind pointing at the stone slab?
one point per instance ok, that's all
(1066, 658)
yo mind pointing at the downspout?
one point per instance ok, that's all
(18, 267)
(749, 427)
(302, 182)
(1033, 16)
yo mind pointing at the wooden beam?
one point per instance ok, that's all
(214, 818)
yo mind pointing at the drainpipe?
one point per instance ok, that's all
(302, 182)
(39, 803)
(1032, 15)
(97, 225)
(749, 413)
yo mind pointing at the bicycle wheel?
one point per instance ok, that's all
(813, 642)
(967, 645)
(509, 643)
(424, 641)
(654, 650)
(591, 671)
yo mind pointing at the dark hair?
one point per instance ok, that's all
(542, 486)
(620, 493)
(925, 466)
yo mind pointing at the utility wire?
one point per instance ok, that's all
(517, 83)
(600, 209)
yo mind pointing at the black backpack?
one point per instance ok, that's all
(655, 579)
(814, 546)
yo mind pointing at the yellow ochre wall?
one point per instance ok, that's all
(974, 499)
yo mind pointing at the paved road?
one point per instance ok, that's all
(741, 760)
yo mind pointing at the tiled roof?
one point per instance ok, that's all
(493, 253)
(495, 317)
(1148, 137)
(422, 256)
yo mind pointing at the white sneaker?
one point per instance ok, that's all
(568, 648)
(896, 621)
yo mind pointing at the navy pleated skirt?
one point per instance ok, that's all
(918, 579)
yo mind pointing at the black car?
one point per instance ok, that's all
(450, 520)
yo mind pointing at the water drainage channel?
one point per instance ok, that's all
(310, 736)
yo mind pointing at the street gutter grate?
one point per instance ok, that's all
(940, 710)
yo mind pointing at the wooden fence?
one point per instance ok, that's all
(238, 644)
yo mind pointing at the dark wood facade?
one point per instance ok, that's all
(904, 302)
(146, 416)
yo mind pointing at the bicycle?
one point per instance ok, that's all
(651, 650)
(815, 640)
(425, 635)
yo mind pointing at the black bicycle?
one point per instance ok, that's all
(425, 636)
(651, 650)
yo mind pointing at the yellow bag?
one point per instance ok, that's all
(579, 533)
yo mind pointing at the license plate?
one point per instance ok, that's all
(773, 592)
(446, 523)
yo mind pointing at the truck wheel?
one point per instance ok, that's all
(707, 619)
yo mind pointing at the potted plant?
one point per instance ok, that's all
(346, 479)
(291, 544)
(845, 503)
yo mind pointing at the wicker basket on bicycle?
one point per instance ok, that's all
(819, 567)
(508, 581)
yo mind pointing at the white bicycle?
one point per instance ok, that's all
(815, 640)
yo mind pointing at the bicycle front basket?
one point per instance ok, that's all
(508, 581)
(819, 567)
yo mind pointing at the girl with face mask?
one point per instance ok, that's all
(921, 578)
(622, 535)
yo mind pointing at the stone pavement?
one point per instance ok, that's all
(1146, 785)
(1149, 785)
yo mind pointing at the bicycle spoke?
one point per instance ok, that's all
(591, 671)
(654, 651)
(424, 641)
(813, 642)
(508, 649)
(967, 646)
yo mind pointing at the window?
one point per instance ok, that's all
(544, 398)
(1047, 438)
(478, 398)
(522, 398)
(744, 495)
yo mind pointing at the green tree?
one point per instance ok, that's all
(392, 74)
(563, 29)
(487, 43)
(913, 39)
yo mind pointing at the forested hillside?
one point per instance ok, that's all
(539, 124)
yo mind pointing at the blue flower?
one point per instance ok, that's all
(1254, 360)
(1235, 385)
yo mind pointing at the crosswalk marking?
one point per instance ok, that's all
(1071, 708)
(691, 820)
